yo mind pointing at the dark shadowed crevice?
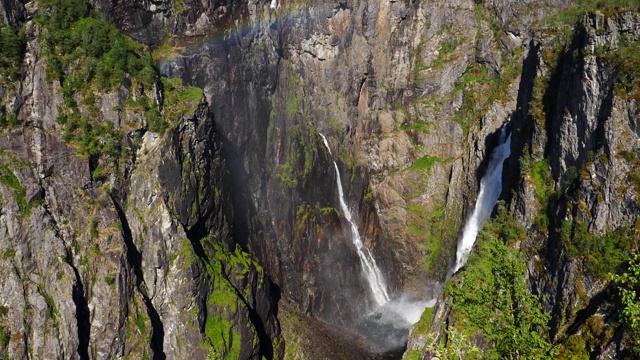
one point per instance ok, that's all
(266, 347)
(195, 235)
(135, 260)
(82, 316)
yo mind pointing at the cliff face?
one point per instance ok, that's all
(148, 226)
(586, 141)
(382, 82)
(126, 254)
(571, 194)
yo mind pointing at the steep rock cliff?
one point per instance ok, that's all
(410, 96)
(571, 192)
(398, 122)
(115, 242)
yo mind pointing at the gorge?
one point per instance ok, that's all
(249, 179)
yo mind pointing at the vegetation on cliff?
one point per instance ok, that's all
(491, 297)
(89, 56)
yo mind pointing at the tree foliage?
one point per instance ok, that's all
(491, 298)
(12, 47)
(629, 292)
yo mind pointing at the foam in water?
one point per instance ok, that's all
(372, 272)
(490, 188)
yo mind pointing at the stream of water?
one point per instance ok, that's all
(490, 188)
(369, 267)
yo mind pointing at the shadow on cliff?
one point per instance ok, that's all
(134, 258)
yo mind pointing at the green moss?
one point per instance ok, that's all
(426, 162)
(93, 227)
(433, 230)
(5, 337)
(110, 280)
(141, 320)
(424, 324)
(9, 254)
(9, 179)
(286, 175)
(180, 100)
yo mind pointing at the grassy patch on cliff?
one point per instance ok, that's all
(481, 88)
(434, 232)
(302, 143)
(224, 269)
(601, 253)
(9, 179)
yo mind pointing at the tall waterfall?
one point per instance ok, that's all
(490, 188)
(372, 272)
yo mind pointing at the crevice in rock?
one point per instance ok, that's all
(592, 307)
(195, 236)
(82, 316)
(266, 348)
(134, 258)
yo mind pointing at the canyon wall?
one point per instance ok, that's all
(205, 215)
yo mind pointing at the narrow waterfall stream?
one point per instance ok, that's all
(372, 272)
(490, 188)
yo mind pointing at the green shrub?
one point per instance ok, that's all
(603, 253)
(12, 48)
(491, 296)
(5, 337)
(628, 284)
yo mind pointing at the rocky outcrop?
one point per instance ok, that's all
(12, 11)
(587, 138)
(570, 184)
(121, 258)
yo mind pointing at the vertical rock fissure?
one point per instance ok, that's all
(195, 236)
(134, 258)
(265, 346)
(82, 316)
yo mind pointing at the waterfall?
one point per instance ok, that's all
(490, 188)
(372, 272)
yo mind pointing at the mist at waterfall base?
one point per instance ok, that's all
(386, 328)
(490, 189)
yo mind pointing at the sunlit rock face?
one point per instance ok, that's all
(410, 95)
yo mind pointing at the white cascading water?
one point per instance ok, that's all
(490, 188)
(372, 272)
